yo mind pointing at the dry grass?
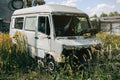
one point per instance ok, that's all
(16, 64)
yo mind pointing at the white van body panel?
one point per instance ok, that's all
(60, 43)
(48, 8)
(41, 44)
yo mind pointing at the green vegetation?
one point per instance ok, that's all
(4, 26)
(106, 15)
(15, 63)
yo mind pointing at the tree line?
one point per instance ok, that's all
(107, 15)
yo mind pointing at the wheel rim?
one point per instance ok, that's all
(51, 66)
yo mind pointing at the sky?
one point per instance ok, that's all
(91, 7)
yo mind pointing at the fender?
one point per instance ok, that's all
(56, 57)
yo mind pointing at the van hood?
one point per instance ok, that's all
(81, 42)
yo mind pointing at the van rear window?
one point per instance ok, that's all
(19, 23)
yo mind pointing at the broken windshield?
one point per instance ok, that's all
(66, 25)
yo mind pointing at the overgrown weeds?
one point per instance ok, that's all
(16, 64)
(14, 57)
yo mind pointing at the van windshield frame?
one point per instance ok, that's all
(70, 25)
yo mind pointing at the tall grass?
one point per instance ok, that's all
(14, 57)
(15, 62)
(5, 50)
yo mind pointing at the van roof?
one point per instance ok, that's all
(48, 8)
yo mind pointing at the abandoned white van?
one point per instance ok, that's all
(54, 32)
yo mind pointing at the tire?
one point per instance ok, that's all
(50, 63)
(10, 6)
(14, 2)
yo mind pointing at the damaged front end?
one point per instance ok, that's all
(76, 55)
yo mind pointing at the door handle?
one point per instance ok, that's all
(36, 38)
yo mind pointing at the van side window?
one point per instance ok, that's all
(30, 23)
(43, 25)
(19, 23)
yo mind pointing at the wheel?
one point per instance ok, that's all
(50, 63)
(10, 6)
(17, 4)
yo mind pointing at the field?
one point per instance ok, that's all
(15, 63)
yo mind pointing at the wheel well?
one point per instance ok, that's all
(48, 55)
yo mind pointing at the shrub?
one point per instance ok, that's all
(14, 56)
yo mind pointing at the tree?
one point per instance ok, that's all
(116, 13)
(29, 3)
(94, 16)
(103, 15)
(111, 14)
(40, 2)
